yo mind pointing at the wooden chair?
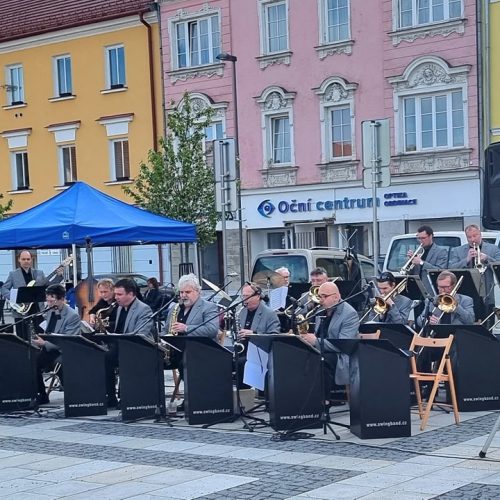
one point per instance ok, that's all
(443, 373)
(369, 336)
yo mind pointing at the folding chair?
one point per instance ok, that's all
(53, 379)
(443, 373)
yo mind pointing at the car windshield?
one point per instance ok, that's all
(296, 264)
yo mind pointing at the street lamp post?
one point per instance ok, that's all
(232, 59)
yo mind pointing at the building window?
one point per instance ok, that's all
(15, 84)
(280, 139)
(120, 162)
(431, 106)
(277, 126)
(197, 41)
(336, 20)
(434, 121)
(67, 164)
(115, 57)
(63, 85)
(274, 26)
(276, 240)
(418, 12)
(20, 171)
(337, 119)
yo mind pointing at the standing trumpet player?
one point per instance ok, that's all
(477, 253)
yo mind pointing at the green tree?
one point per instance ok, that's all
(176, 180)
(5, 208)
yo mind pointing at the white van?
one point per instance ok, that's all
(396, 256)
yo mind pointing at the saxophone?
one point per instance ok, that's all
(239, 347)
(173, 319)
(102, 318)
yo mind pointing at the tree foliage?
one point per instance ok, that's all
(176, 180)
(4, 208)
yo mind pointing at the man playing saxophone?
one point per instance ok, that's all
(396, 308)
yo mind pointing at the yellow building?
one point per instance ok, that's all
(81, 95)
(491, 51)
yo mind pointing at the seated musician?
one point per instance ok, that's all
(255, 318)
(60, 319)
(192, 316)
(318, 276)
(399, 306)
(341, 321)
(133, 317)
(106, 291)
(463, 313)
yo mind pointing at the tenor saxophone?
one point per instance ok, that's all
(173, 319)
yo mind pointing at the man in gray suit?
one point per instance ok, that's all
(255, 318)
(20, 277)
(463, 313)
(133, 317)
(60, 319)
(478, 251)
(399, 306)
(341, 321)
(433, 257)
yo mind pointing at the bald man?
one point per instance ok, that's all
(340, 321)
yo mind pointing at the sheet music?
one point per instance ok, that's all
(277, 298)
(255, 371)
(43, 325)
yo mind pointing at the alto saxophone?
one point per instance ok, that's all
(173, 319)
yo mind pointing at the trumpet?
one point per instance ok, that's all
(419, 251)
(477, 259)
(381, 306)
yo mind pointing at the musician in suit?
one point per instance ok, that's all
(463, 313)
(20, 277)
(285, 321)
(341, 321)
(60, 319)
(254, 318)
(192, 316)
(433, 257)
(467, 257)
(133, 317)
(399, 306)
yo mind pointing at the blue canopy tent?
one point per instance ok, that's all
(81, 213)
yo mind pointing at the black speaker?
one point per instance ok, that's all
(491, 187)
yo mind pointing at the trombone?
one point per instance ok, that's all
(313, 296)
(496, 312)
(408, 266)
(381, 306)
(445, 302)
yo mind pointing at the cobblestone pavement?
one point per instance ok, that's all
(50, 457)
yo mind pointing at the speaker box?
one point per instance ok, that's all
(491, 187)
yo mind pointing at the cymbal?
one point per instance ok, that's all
(269, 278)
(215, 288)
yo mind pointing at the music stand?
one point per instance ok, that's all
(415, 289)
(29, 294)
(351, 289)
(495, 266)
(471, 286)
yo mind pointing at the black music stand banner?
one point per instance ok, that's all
(208, 385)
(142, 383)
(415, 289)
(83, 365)
(474, 360)
(379, 398)
(17, 373)
(294, 381)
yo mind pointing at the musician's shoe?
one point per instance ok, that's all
(42, 399)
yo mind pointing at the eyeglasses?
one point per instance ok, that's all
(324, 295)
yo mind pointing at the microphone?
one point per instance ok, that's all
(47, 309)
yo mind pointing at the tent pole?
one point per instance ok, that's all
(75, 264)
